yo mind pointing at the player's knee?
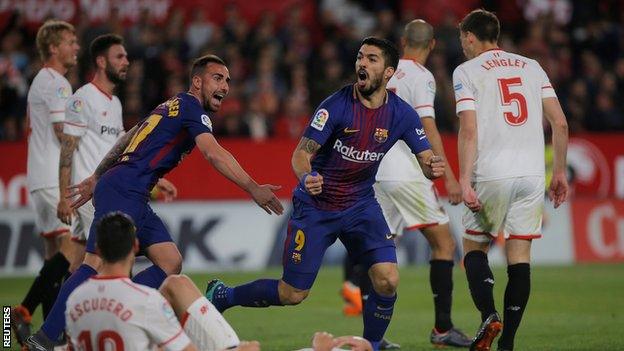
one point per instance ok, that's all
(386, 284)
(174, 282)
(173, 265)
(294, 297)
(290, 295)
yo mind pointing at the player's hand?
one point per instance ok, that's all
(323, 341)
(248, 346)
(263, 195)
(167, 188)
(355, 343)
(558, 189)
(454, 191)
(470, 198)
(313, 183)
(437, 165)
(82, 192)
(64, 211)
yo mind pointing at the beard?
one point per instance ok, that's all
(114, 77)
(375, 83)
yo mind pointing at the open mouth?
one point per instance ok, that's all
(362, 75)
(219, 96)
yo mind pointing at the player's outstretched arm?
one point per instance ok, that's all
(305, 150)
(558, 190)
(223, 161)
(467, 150)
(450, 182)
(68, 146)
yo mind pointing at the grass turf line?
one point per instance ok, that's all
(571, 308)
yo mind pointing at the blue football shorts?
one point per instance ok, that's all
(107, 198)
(361, 228)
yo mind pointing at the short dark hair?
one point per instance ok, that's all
(388, 50)
(483, 24)
(200, 63)
(100, 45)
(115, 236)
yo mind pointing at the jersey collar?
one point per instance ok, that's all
(354, 94)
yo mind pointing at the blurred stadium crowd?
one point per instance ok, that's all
(281, 69)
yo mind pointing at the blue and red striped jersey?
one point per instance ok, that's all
(353, 141)
(163, 139)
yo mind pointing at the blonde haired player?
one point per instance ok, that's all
(501, 100)
(58, 49)
(408, 198)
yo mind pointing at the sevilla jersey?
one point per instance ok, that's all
(506, 91)
(415, 84)
(46, 105)
(353, 141)
(160, 143)
(95, 117)
(116, 312)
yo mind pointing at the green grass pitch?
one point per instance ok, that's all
(571, 308)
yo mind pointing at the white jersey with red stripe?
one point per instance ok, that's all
(95, 117)
(46, 105)
(415, 84)
(115, 311)
(506, 91)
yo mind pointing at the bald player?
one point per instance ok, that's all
(408, 199)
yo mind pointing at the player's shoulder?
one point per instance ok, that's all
(338, 98)
(398, 103)
(414, 69)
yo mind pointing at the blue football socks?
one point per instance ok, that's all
(152, 276)
(377, 315)
(259, 293)
(55, 323)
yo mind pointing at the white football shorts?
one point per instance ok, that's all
(513, 205)
(207, 328)
(409, 205)
(45, 202)
(82, 221)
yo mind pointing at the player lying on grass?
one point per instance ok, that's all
(109, 309)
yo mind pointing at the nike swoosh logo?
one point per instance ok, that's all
(350, 131)
(389, 236)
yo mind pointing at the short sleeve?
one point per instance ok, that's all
(75, 116)
(194, 119)
(163, 326)
(56, 98)
(464, 94)
(322, 124)
(423, 97)
(547, 89)
(414, 133)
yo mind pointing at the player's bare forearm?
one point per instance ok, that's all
(467, 145)
(436, 143)
(58, 131)
(223, 161)
(559, 125)
(68, 146)
(302, 155)
(113, 155)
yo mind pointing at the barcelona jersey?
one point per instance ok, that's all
(353, 141)
(163, 139)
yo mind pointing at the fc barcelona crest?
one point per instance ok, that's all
(381, 135)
